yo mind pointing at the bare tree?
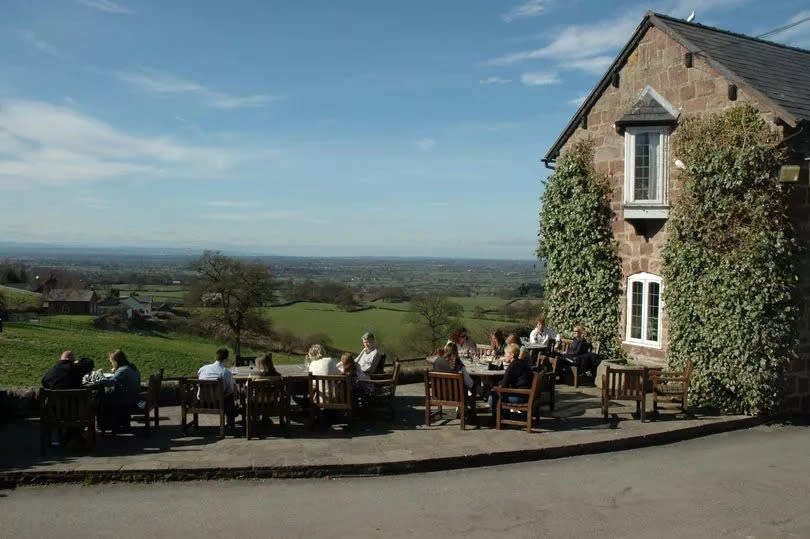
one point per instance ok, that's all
(434, 314)
(243, 286)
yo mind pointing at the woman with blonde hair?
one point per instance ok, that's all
(518, 375)
(319, 364)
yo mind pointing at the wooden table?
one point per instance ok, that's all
(296, 371)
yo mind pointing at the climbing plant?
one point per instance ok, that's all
(583, 271)
(728, 263)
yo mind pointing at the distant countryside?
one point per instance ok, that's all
(327, 301)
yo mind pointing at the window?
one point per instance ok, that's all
(644, 309)
(645, 150)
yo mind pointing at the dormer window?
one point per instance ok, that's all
(646, 127)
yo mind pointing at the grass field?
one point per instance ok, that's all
(172, 293)
(28, 350)
(386, 320)
(20, 299)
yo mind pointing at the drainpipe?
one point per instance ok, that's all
(547, 163)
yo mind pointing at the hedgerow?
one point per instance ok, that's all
(583, 271)
(728, 264)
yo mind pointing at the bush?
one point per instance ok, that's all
(729, 263)
(583, 271)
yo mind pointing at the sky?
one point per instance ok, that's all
(315, 128)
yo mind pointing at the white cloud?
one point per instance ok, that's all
(494, 80)
(532, 8)
(595, 65)
(426, 144)
(159, 82)
(539, 79)
(45, 143)
(108, 6)
(579, 100)
(41, 45)
(234, 204)
(256, 216)
(579, 41)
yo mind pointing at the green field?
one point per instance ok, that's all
(386, 320)
(20, 299)
(172, 293)
(28, 350)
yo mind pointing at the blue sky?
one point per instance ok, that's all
(304, 127)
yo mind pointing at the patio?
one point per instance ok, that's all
(376, 445)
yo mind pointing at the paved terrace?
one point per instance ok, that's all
(376, 445)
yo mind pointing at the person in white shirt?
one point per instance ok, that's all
(321, 365)
(218, 371)
(369, 357)
(541, 334)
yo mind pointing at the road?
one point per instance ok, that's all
(753, 483)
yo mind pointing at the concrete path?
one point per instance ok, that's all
(750, 483)
(377, 445)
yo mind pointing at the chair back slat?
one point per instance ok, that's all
(446, 388)
(66, 405)
(332, 392)
(205, 394)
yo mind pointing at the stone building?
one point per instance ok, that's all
(70, 301)
(669, 70)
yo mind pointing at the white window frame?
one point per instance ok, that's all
(644, 278)
(662, 176)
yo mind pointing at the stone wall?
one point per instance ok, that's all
(657, 61)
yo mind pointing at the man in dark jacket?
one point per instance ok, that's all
(579, 351)
(68, 373)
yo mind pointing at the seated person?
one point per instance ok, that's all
(119, 404)
(369, 357)
(498, 342)
(449, 361)
(465, 346)
(218, 371)
(263, 368)
(68, 373)
(320, 365)
(579, 351)
(542, 335)
(518, 375)
(348, 366)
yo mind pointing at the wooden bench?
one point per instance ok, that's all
(63, 410)
(624, 384)
(330, 393)
(540, 381)
(447, 389)
(202, 397)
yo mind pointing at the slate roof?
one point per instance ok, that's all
(647, 110)
(777, 74)
(70, 294)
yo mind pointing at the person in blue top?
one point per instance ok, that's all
(123, 399)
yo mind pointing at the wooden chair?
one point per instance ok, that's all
(447, 389)
(66, 409)
(382, 389)
(380, 369)
(265, 398)
(671, 387)
(330, 393)
(531, 407)
(150, 395)
(202, 397)
(624, 384)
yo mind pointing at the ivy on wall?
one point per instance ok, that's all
(583, 271)
(729, 263)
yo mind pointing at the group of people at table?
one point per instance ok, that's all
(122, 393)
(513, 356)
(124, 384)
